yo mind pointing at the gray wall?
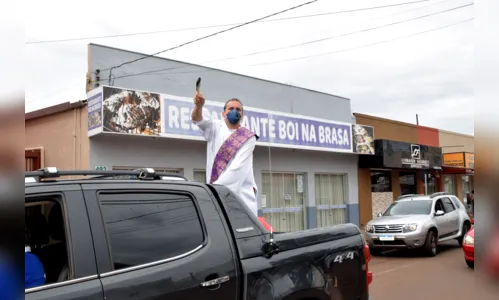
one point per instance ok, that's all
(118, 150)
(216, 85)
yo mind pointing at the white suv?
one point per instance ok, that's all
(418, 221)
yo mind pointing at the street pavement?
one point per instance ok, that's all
(405, 275)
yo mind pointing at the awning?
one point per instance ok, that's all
(457, 170)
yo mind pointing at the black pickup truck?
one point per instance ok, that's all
(119, 235)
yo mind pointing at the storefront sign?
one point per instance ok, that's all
(116, 110)
(459, 160)
(94, 113)
(400, 155)
(415, 162)
(272, 127)
(299, 184)
(469, 159)
(454, 159)
(363, 139)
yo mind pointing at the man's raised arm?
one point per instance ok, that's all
(204, 124)
(197, 112)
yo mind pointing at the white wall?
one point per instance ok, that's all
(117, 150)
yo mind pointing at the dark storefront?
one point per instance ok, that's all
(399, 168)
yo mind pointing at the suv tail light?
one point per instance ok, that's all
(369, 274)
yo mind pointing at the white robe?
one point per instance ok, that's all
(238, 175)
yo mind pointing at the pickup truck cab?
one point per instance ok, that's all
(119, 235)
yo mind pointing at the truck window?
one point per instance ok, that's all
(145, 227)
(46, 254)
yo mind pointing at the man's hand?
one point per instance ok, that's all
(197, 112)
(199, 100)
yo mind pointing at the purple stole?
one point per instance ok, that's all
(228, 150)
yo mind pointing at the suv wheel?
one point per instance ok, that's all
(460, 239)
(431, 244)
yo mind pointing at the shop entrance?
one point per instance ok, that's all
(33, 159)
(408, 183)
(450, 184)
(283, 200)
(330, 195)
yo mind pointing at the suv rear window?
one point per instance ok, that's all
(144, 227)
(456, 202)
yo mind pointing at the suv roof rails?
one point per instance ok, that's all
(409, 196)
(142, 174)
(438, 194)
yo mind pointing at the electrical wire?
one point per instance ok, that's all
(343, 35)
(301, 44)
(332, 52)
(363, 46)
(207, 36)
(220, 25)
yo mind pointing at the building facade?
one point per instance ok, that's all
(458, 162)
(305, 162)
(57, 136)
(407, 160)
(305, 167)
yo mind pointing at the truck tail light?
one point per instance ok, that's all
(369, 274)
(265, 224)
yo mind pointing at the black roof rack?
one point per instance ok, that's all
(143, 174)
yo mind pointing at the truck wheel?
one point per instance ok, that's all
(430, 247)
(460, 239)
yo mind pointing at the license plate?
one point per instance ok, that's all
(386, 238)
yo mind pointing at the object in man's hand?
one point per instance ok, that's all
(198, 84)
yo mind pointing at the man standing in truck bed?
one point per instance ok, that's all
(229, 160)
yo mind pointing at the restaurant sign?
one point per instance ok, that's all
(132, 112)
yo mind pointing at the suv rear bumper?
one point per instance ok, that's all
(401, 240)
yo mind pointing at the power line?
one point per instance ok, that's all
(363, 46)
(413, 9)
(208, 36)
(339, 51)
(341, 35)
(219, 25)
(302, 44)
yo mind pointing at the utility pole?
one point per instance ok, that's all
(417, 119)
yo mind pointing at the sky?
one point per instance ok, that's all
(429, 74)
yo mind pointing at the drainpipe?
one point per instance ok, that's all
(74, 139)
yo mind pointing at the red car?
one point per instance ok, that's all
(469, 248)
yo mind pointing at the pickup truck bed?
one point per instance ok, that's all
(155, 237)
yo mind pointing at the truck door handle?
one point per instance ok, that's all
(214, 284)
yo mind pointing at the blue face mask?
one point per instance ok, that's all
(234, 116)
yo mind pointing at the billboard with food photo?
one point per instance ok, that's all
(363, 139)
(131, 111)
